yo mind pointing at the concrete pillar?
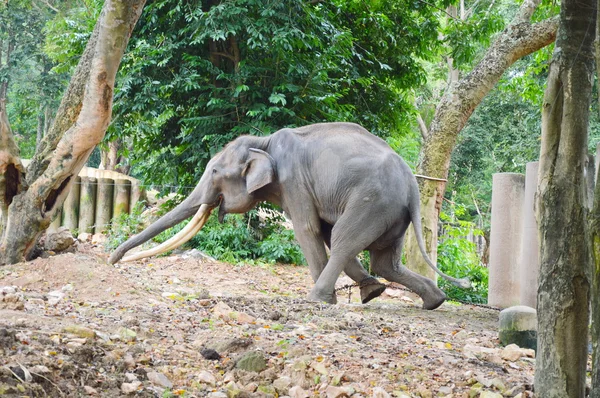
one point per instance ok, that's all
(87, 205)
(104, 203)
(122, 197)
(71, 206)
(597, 160)
(529, 263)
(508, 190)
(136, 192)
(55, 224)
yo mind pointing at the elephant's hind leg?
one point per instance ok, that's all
(386, 263)
(370, 287)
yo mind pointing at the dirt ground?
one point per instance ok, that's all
(72, 325)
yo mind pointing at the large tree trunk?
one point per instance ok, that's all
(80, 125)
(595, 236)
(519, 39)
(11, 169)
(564, 281)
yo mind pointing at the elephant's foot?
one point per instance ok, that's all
(370, 288)
(433, 299)
(321, 297)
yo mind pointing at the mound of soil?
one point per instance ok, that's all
(73, 325)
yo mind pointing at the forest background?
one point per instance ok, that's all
(197, 74)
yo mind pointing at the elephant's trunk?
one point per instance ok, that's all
(174, 217)
(179, 239)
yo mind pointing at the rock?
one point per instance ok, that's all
(445, 390)
(126, 334)
(282, 384)
(499, 385)
(490, 394)
(39, 369)
(210, 354)
(206, 378)
(130, 388)
(424, 393)
(319, 367)
(90, 390)
(252, 361)
(518, 325)
(11, 300)
(298, 392)
(335, 392)
(267, 389)
(81, 331)
(217, 394)
(84, 237)
(54, 297)
(242, 317)
(159, 379)
(131, 377)
(512, 353)
(251, 387)
(379, 392)
(129, 361)
(59, 240)
(222, 310)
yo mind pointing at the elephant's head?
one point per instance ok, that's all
(232, 180)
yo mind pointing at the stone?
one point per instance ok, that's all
(282, 384)
(59, 240)
(130, 388)
(518, 325)
(126, 334)
(298, 392)
(512, 353)
(159, 379)
(206, 378)
(90, 390)
(222, 310)
(445, 390)
(335, 392)
(81, 331)
(379, 392)
(489, 394)
(252, 361)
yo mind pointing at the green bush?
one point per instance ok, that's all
(457, 256)
(124, 226)
(243, 238)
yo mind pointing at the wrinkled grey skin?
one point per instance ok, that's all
(342, 187)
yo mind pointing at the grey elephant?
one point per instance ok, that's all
(342, 187)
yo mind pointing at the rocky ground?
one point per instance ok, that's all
(72, 325)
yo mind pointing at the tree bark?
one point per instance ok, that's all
(564, 281)
(520, 38)
(595, 238)
(80, 125)
(11, 168)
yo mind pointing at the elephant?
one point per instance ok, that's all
(341, 186)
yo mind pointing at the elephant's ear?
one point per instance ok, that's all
(259, 170)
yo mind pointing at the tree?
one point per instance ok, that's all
(198, 74)
(520, 38)
(564, 281)
(80, 124)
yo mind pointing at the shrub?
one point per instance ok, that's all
(457, 256)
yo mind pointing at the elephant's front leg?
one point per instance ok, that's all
(309, 237)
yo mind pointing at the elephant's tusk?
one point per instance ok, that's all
(179, 239)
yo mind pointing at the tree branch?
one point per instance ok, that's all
(422, 127)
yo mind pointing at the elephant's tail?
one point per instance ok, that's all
(415, 215)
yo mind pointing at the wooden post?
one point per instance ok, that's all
(71, 207)
(104, 203)
(122, 197)
(87, 204)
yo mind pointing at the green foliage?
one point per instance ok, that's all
(457, 256)
(196, 75)
(242, 238)
(32, 86)
(125, 226)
